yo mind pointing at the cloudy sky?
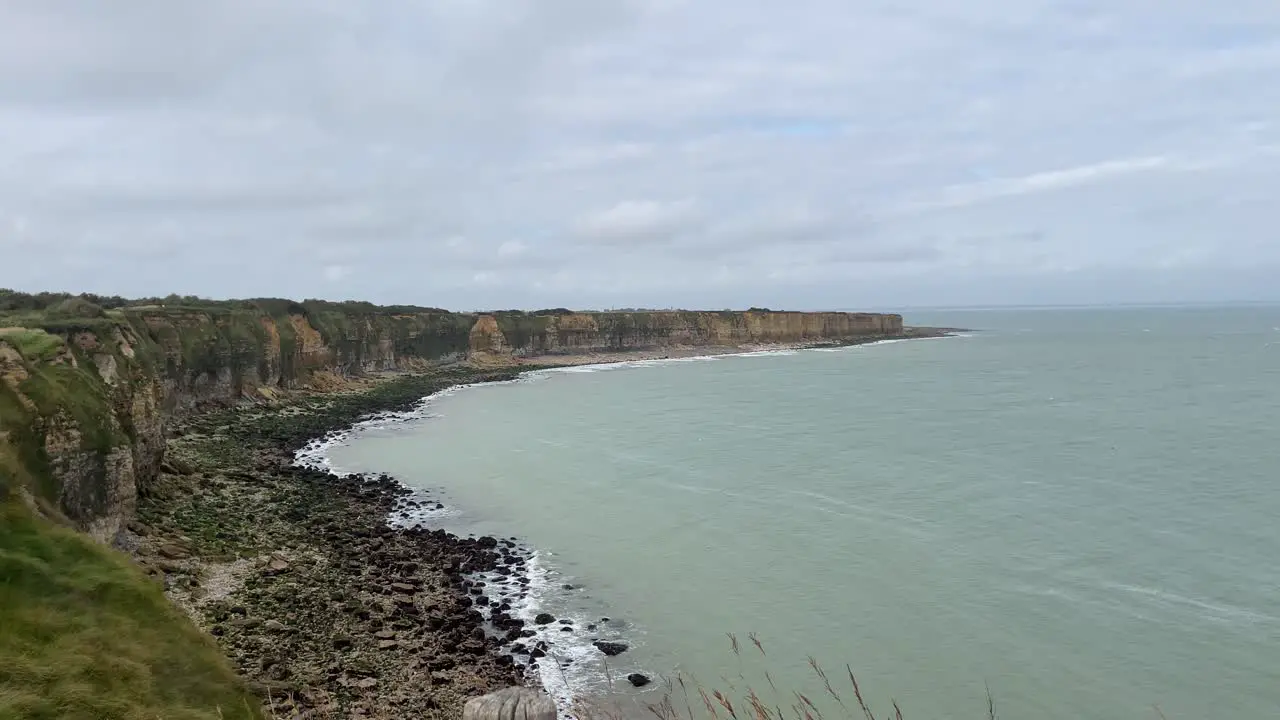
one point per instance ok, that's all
(597, 153)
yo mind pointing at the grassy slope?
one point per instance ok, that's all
(83, 633)
(86, 635)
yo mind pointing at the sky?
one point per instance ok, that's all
(480, 154)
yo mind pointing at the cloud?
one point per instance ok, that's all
(502, 153)
(1044, 181)
(638, 221)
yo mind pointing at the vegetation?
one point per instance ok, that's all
(745, 697)
(87, 635)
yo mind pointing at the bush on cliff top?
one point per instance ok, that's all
(84, 634)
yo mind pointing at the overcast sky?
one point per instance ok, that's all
(597, 153)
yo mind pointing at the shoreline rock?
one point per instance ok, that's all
(320, 603)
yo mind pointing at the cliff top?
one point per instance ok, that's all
(39, 309)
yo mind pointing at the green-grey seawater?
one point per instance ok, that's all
(1076, 508)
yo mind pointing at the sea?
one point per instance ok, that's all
(1057, 514)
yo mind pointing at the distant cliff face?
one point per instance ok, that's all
(529, 335)
(84, 403)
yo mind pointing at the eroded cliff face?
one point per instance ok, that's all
(84, 405)
(531, 335)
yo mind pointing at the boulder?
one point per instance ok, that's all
(638, 679)
(610, 648)
(513, 703)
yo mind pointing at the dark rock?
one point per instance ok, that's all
(610, 648)
(544, 619)
(342, 643)
(638, 680)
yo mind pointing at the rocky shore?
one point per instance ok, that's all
(324, 607)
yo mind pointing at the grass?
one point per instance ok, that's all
(684, 697)
(84, 634)
(33, 344)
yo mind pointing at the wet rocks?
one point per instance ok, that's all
(544, 619)
(638, 679)
(346, 613)
(609, 647)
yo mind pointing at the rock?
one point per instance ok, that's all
(544, 619)
(610, 648)
(342, 643)
(513, 703)
(248, 623)
(277, 565)
(139, 528)
(385, 634)
(275, 626)
(404, 588)
(638, 679)
(367, 683)
(387, 644)
(173, 551)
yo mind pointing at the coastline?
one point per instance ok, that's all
(686, 352)
(323, 601)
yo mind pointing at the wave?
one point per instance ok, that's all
(573, 667)
(1205, 609)
(1145, 602)
(858, 346)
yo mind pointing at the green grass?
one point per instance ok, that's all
(84, 634)
(31, 343)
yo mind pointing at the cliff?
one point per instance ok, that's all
(84, 401)
(529, 335)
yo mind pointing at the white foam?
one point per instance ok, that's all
(314, 454)
(1207, 610)
(572, 667)
(650, 362)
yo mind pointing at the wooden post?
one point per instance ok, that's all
(513, 703)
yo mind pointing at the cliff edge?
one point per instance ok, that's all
(86, 394)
